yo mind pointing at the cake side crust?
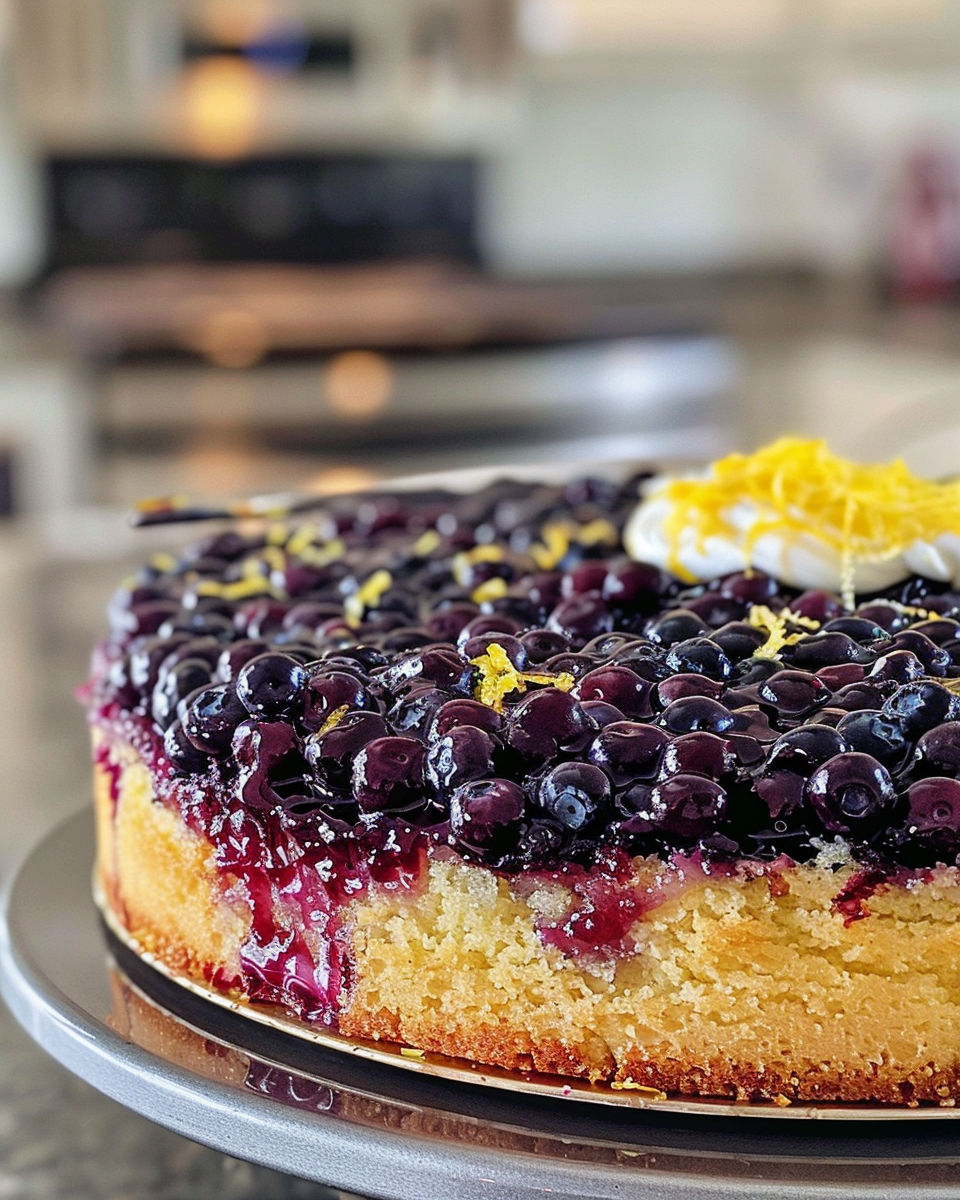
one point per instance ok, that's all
(160, 878)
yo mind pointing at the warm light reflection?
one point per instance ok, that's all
(237, 22)
(220, 461)
(222, 102)
(231, 338)
(358, 384)
(343, 478)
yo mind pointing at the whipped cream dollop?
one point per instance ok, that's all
(796, 512)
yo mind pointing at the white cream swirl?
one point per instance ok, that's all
(802, 560)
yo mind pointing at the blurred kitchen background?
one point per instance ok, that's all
(252, 245)
(255, 245)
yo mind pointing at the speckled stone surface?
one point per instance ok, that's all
(61, 1140)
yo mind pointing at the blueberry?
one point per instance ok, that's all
(546, 721)
(696, 712)
(210, 718)
(898, 666)
(828, 649)
(933, 813)
(325, 692)
(628, 751)
(181, 753)
(700, 656)
(938, 750)
(618, 686)
(485, 812)
(176, 683)
(873, 732)
(541, 644)
(573, 794)
(687, 807)
(857, 628)
(738, 640)
(677, 625)
(802, 750)
(331, 754)
(920, 706)
(271, 685)
(698, 754)
(852, 793)
(793, 694)
(388, 774)
(463, 754)
(581, 617)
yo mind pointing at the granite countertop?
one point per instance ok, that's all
(61, 1140)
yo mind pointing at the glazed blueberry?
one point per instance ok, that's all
(181, 753)
(542, 644)
(679, 686)
(628, 751)
(331, 753)
(634, 586)
(484, 812)
(271, 685)
(918, 707)
(933, 813)
(873, 732)
(804, 749)
(601, 713)
(388, 774)
(176, 683)
(755, 588)
(828, 649)
(586, 576)
(581, 617)
(693, 713)
(464, 712)
(716, 610)
(328, 691)
(618, 686)
(686, 807)
(938, 630)
(793, 693)
(233, 658)
(441, 666)
(677, 625)
(857, 628)
(447, 623)
(210, 717)
(199, 623)
(514, 649)
(897, 666)
(935, 661)
(146, 658)
(546, 721)
(889, 617)
(852, 794)
(413, 713)
(463, 754)
(492, 623)
(573, 793)
(700, 656)
(738, 640)
(698, 754)
(817, 606)
(938, 750)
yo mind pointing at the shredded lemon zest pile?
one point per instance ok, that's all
(774, 625)
(499, 677)
(868, 514)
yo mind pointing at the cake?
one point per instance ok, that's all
(653, 782)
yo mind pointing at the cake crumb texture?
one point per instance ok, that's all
(731, 990)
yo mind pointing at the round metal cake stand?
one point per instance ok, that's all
(258, 1094)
